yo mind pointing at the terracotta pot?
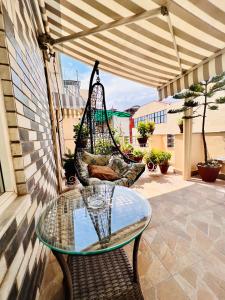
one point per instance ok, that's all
(142, 141)
(137, 159)
(151, 167)
(208, 174)
(164, 168)
(181, 126)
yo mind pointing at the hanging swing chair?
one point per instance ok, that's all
(95, 144)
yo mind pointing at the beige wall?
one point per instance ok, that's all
(216, 149)
(215, 120)
(71, 117)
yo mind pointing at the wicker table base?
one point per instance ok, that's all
(107, 276)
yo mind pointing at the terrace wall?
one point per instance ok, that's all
(22, 257)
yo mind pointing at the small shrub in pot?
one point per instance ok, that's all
(145, 129)
(137, 155)
(163, 160)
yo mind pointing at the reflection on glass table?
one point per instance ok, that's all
(94, 220)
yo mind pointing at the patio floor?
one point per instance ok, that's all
(182, 253)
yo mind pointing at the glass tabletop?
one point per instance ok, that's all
(93, 219)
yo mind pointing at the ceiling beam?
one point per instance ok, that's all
(124, 21)
(174, 40)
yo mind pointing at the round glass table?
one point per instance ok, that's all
(94, 220)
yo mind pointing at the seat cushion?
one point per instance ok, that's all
(118, 165)
(93, 159)
(133, 172)
(102, 172)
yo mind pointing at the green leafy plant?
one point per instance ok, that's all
(145, 128)
(116, 135)
(137, 153)
(163, 157)
(84, 131)
(127, 148)
(180, 122)
(68, 158)
(103, 147)
(206, 89)
(151, 156)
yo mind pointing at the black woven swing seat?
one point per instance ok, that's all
(95, 142)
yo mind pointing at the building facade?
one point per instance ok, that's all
(167, 134)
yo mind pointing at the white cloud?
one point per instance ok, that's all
(121, 93)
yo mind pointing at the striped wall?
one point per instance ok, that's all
(212, 66)
(22, 257)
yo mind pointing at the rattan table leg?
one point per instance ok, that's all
(135, 258)
(67, 279)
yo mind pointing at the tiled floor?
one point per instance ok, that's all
(182, 253)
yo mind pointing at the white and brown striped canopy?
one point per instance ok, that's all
(139, 40)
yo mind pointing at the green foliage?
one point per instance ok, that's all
(213, 107)
(152, 156)
(198, 88)
(145, 128)
(220, 100)
(137, 153)
(216, 78)
(127, 148)
(191, 103)
(84, 131)
(207, 89)
(180, 121)
(103, 147)
(178, 110)
(164, 157)
(68, 159)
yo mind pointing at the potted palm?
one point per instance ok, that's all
(209, 169)
(137, 155)
(145, 129)
(180, 123)
(84, 133)
(151, 159)
(163, 160)
(68, 166)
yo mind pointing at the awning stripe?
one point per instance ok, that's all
(143, 50)
(204, 71)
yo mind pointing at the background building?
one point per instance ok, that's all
(167, 134)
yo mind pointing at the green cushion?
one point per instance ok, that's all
(93, 159)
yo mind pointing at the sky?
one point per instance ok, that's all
(120, 93)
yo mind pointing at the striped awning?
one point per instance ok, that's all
(164, 44)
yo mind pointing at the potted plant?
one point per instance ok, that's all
(180, 123)
(68, 166)
(145, 129)
(103, 147)
(137, 155)
(163, 160)
(209, 169)
(84, 133)
(127, 149)
(151, 159)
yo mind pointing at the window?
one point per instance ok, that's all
(157, 117)
(2, 187)
(170, 140)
